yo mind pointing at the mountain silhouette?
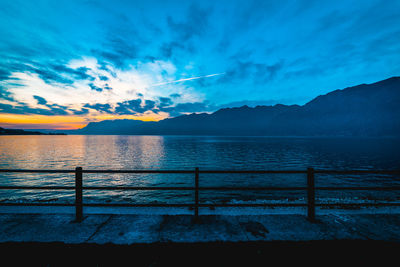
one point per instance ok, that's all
(23, 132)
(362, 110)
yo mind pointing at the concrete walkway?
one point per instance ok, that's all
(142, 229)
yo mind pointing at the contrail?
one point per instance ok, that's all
(188, 79)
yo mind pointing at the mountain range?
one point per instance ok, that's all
(362, 110)
(23, 132)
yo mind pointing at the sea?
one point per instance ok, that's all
(128, 152)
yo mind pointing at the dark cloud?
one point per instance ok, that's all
(50, 70)
(195, 24)
(79, 73)
(4, 94)
(149, 59)
(265, 73)
(20, 108)
(129, 107)
(7, 108)
(121, 43)
(117, 49)
(258, 72)
(50, 76)
(107, 87)
(40, 100)
(149, 104)
(189, 107)
(175, 95)
(169, 49)
(102, 65)
(165, 101)
(164, 104)
(99, 89)
(192, 107)
(139, 106)
(83, 111)
(4, 74)
(50, 73)
(119, 56)
(99, 107)
(103, 78)
(95, 88)
(58, 109)
(135, 106)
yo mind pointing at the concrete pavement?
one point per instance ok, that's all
(144, 229)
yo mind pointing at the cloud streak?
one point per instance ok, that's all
(187, 79)
(127, 58)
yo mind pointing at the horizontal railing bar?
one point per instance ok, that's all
(206, 171)
(151, 171)
(191, 188)
(357, 204)
(190, 171)
(255, 205)
(135, 188)
(37, 204)
(252, 171)
(137, 171)
(94, 188)
(204, 205)
(374, 188)
(38, 187)
(192, 205)
(37, 171)
(96, 171)
(210, 171)
(99, 204)
(357, 171)
(137, 205)
(222, 188)
(227, 188)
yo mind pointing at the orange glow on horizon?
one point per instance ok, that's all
(71, 122)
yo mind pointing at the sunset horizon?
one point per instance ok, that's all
(63, 66)
(76, 122)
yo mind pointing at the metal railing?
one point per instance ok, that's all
(310, 189)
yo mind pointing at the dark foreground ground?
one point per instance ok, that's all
(213, 240)
(276, 253)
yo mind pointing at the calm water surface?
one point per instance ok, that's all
(188, 152)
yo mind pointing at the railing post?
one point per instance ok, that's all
(196, 194)
(310, 194)
(78, 194)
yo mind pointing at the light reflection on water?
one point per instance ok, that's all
(187, 152)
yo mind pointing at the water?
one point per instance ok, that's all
(188, 152)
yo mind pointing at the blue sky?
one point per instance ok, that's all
(65, 63)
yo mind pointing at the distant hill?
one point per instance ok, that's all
(362, 110)
(23, 132)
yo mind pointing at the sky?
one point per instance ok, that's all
(64, 64)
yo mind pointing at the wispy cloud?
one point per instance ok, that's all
(187, 79)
